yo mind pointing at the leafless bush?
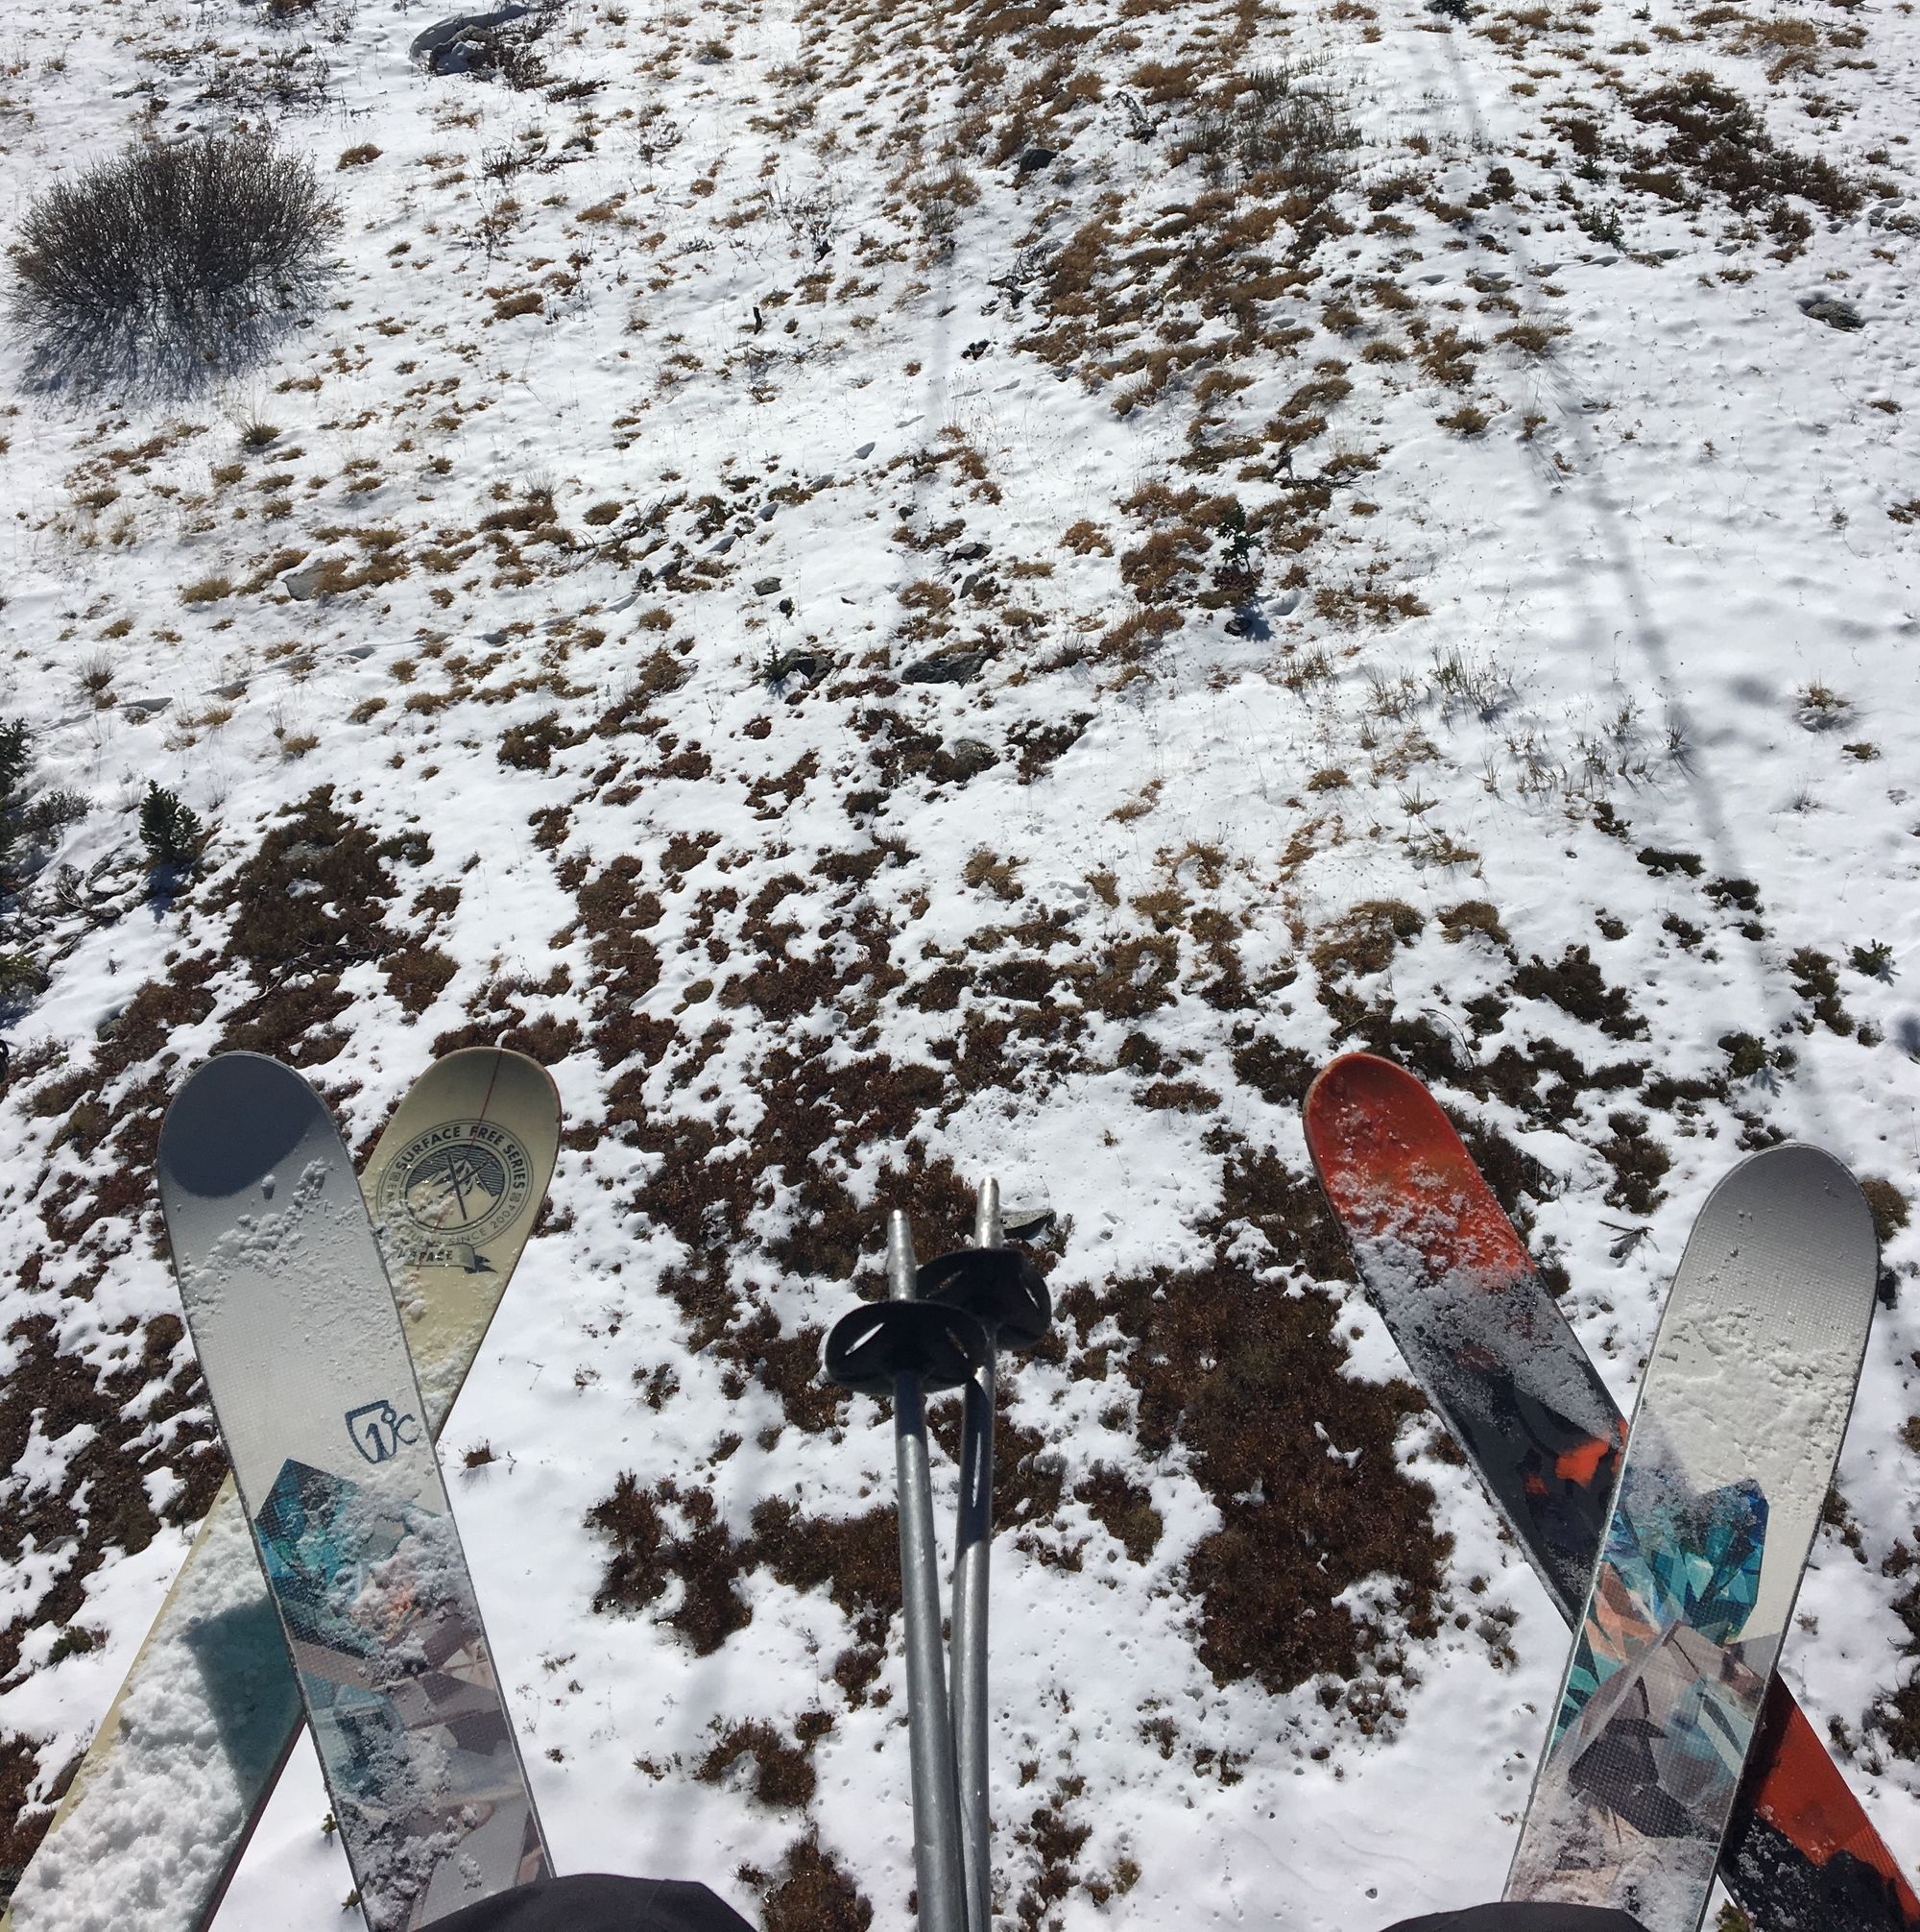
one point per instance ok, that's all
(1273, 130)
(811, 219)
(192, 250)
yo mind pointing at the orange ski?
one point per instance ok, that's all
(1484, 1339)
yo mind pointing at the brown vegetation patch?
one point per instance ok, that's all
(1716, 144)
(1249, 1381)
(783, 1775)
(813, 1894)
(1362, 941)
(1576, 986)
(1123, 1508)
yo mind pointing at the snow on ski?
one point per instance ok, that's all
(1485, 1342)
(306, 1360)
(154, 1820)
(1734, 1437)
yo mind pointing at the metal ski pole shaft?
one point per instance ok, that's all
(936, 1820)
(908, 1348)
(973, 1545)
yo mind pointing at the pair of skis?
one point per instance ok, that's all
(329, 1394)
(1676, 1550)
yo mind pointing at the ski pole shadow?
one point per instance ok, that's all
(1606, 524)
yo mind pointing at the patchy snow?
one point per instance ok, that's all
(1589, 554)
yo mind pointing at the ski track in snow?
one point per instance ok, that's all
(1696, 531)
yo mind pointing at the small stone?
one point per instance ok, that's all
(947, 667)
(807, 664)
(972, 757)
(765, 587)
(303, 582)
(1035, 158)
(861, 454)
(1833, 311)
(138, 709)
(969, 553)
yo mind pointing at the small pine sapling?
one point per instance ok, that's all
(170, 830)
(1236, 576)
(1874, 960)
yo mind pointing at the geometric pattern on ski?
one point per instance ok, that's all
(1736, 1435)
(306, 1360)
(1800, 1854)
(154, 1822)
(152, 1826)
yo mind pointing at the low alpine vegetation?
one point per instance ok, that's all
(184, 251)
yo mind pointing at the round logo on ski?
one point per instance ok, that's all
(450, 1191)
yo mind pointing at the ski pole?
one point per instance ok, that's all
(907, 1348)
(972, 1541)
(1004, 1293)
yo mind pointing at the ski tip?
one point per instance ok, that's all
(1363, 1108)
(235, 1119)
(1359, 1078)
(1815, 1213)
(506, 1060)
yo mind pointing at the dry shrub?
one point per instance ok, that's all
(1716, 144)
(187, 246)
(1271, 129)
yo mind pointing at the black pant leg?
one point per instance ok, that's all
(1529, 1918)
(593, 1901)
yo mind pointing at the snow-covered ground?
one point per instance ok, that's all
(667, 410)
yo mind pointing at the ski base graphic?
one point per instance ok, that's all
(1736, 1435)
(1519, 1393)
(399, 1687)
(305, 1359)
(161, 1807)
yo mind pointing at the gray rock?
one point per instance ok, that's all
(765, 587)
(1833, 311)
(449, 46)
(969, 553)
(972, 757)
(141, 708)
(788, 664)
(303, 582)
(1035, 158)
(946, 668)
(861, 454)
